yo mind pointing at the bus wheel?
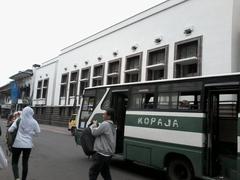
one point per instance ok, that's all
(180, 169)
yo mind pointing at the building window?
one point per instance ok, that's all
(83, 84)
(64, 84)
(39, 89)
(64, 78)
(133, 68)
(74, 76)
(73, 84)
(45, 88)
(84, 81)
(114, 71)
(73, 89)
(187, 50)
(157, 64)
(85, 73)
(98, 73)
(188, 58)
(40, 84)
(63, 91)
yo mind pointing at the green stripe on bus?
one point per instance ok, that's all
(191, 124)
(153, 153)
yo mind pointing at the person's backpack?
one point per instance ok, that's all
(87, 141)
(11, 136)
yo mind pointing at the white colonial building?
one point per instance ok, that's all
(175, 39)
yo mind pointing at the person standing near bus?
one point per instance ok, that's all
(28, 127)
(104, 146)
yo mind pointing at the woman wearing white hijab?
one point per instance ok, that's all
(28, 127)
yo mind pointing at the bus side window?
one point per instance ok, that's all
(189, 101)
(148, 101)
(136, 102)
(143, 101)
(167, 101)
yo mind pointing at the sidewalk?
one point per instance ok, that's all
(49, 128)
(55, 129)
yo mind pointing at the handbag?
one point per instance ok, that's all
(11, 136)
(3, 159)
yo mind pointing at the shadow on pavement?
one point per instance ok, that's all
(138, 169)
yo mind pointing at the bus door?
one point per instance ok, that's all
(222, 115)
(119, 104)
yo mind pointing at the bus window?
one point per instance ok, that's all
(142, 97)
(143, 101)
(87, 109)
(88, 103)
(99, 94)
(107, 101)
(91, 99)
(148, 101)
(136, 101)
(167, 101)
(189, 101)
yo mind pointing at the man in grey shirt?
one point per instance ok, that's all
(104, 146)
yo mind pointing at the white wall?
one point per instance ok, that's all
(236, 36)
(211, 19)
(47, 71)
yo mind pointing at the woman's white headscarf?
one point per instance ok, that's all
(27, 118)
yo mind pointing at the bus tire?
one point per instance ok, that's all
(180, 169)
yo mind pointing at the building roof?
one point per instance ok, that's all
(5, 88)
(22, 74)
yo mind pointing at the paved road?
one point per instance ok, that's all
(56, 157)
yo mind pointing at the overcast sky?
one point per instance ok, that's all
(33, 31)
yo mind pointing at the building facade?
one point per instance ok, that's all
(17, 94)
(5, 100)
(175, 39)
(21, 89)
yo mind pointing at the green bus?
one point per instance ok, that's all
(189, 127)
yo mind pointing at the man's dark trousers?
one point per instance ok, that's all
(101, 165)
